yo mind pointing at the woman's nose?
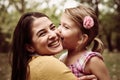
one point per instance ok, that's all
(52, 35)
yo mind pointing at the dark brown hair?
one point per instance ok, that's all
(21, 37)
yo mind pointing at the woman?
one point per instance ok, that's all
(34, 41)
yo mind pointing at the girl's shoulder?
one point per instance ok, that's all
(91, 54)
(87, 57)
(96, 66)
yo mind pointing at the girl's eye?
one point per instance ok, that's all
(66, 27)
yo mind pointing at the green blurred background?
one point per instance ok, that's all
(108, 12)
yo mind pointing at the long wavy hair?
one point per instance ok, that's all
(22, 36)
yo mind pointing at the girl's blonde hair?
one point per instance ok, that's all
(77, 14)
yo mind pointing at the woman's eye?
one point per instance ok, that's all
(53, 28)
(42, 34)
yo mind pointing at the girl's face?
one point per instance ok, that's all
(44, 39)
(69, 31)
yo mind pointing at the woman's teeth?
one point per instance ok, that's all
(54, 44)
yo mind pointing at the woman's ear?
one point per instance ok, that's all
(29, 48)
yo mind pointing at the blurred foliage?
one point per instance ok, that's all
(110, 24)
(5, 67)
(112, 62)
(109, 17)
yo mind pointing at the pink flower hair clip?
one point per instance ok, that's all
(88, 22)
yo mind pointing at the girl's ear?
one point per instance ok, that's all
(83, 39)
(29, 48)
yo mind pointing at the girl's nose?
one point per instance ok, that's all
(59, 32)
(59, 29)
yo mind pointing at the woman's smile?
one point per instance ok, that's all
(54, 44)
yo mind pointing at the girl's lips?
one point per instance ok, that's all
(62, 38)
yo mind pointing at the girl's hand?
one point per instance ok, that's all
(87, 77)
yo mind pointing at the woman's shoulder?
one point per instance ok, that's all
(45, 60)
(49, 68)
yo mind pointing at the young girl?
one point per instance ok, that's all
(79, 28)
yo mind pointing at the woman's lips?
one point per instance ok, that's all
(54, 44)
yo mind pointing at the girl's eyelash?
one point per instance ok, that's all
(66, 27)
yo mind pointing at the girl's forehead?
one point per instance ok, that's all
(65, 15)
(67, 19)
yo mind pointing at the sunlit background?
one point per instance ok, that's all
(108, 12)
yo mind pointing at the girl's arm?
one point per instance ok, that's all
(97, 67)
(87, 77)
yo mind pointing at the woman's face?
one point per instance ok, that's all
(69, 31)
(44, 39)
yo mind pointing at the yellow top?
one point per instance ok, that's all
(49, 68)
